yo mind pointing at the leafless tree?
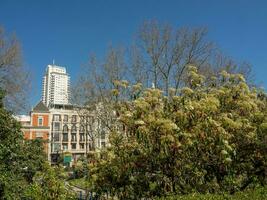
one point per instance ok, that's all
(14, 79)
(160, 56)
(93, 90)
(84, 90)
(137, 72)
(218, 62)
(97, 78)
(169, 51)
(166, 52)
(153, 41)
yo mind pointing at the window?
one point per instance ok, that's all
(55, 137)
(55, 147)
(82, 119)
(56, 117)
(65, 137)
(82, 129)
(73, 129)
(39, 135)
(91, 147)
(65, 146)
(103, 144)
(40, 121)
(81, 146)
(65, 119)
(65, 129)
(82, 137)
(103, 135)
(73, 146)
(74, 118)
(56, 126)
(73, 137)
(88, 136)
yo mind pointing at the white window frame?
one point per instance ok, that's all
(40, 118)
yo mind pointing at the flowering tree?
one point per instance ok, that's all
(209, 138)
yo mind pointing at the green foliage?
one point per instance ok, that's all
(49, 185)
(21, 161)
(33, 158)
(80, 183)
(256, 194)
(80, 168)
(12, 181)
(209, 139)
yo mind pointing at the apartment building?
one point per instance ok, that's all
(65, 130)
(75, 132)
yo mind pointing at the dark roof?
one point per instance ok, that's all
(40, 107)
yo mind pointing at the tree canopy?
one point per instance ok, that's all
(211, 137)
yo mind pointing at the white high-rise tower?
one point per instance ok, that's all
(55, 86)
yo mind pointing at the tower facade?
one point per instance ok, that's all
(55, 86)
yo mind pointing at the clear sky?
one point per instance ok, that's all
(69, 30)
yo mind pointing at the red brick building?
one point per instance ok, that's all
(38, 125)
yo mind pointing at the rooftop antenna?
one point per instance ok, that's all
(53, 61)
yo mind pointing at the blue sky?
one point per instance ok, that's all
(69, 31)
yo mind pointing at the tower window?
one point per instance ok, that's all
(40, 121)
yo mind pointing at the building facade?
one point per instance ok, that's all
(65, 131)
(37, 125)
(75, 132)
(55, 88)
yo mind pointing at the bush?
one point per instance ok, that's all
(257, 194)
